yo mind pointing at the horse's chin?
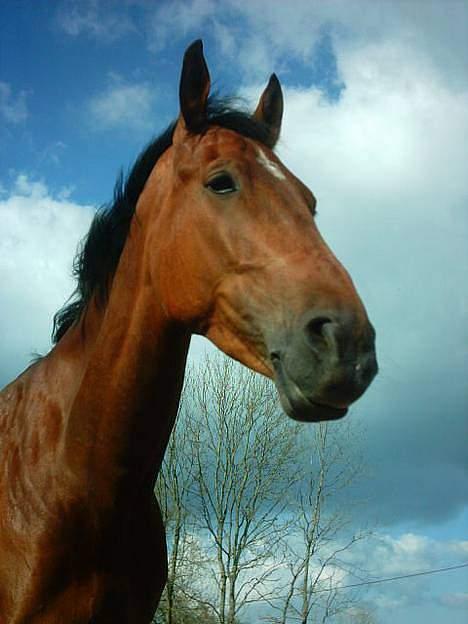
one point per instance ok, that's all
(305, 410)
(299, 406)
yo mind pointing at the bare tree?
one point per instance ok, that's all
(244, 457)
(249, 519)
(321, 535)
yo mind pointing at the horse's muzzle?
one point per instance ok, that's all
(324, 365)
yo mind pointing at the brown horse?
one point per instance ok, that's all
(210, 234)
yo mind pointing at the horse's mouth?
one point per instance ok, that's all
(296, 404)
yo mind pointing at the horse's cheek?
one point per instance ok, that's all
(184, 296)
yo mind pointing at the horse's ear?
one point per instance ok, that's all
(194, 87)
(270, 108)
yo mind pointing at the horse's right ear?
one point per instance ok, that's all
(194, 87)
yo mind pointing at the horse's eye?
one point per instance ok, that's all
(222, 183)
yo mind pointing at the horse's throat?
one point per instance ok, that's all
(124, 409)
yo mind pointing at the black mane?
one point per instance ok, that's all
(98, 255)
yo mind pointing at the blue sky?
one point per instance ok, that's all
(376, 123)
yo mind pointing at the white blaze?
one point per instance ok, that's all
(270, 166)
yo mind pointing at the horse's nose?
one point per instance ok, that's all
(323, 363)
(338, 340)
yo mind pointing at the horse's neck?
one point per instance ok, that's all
(130, 362)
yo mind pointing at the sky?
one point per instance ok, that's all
(376, 124)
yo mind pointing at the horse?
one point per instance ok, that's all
(209, 234)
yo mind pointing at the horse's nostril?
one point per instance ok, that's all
(316, 326)
(275, 356)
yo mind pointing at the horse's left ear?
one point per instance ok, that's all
(194, 87)
(270, 109)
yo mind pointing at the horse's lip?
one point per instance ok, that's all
(296, 404)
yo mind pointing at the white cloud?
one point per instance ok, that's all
(454, 600)
(122, 104)
(395, 131)
(13, 108)
(260, 41)
(412, 553)
(101, 21)
(177, 19)
(52, 153)
(386, 556)
(39, 236)
(438, 30)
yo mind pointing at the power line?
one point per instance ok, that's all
(392, 578)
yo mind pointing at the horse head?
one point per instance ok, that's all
(243, 263)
